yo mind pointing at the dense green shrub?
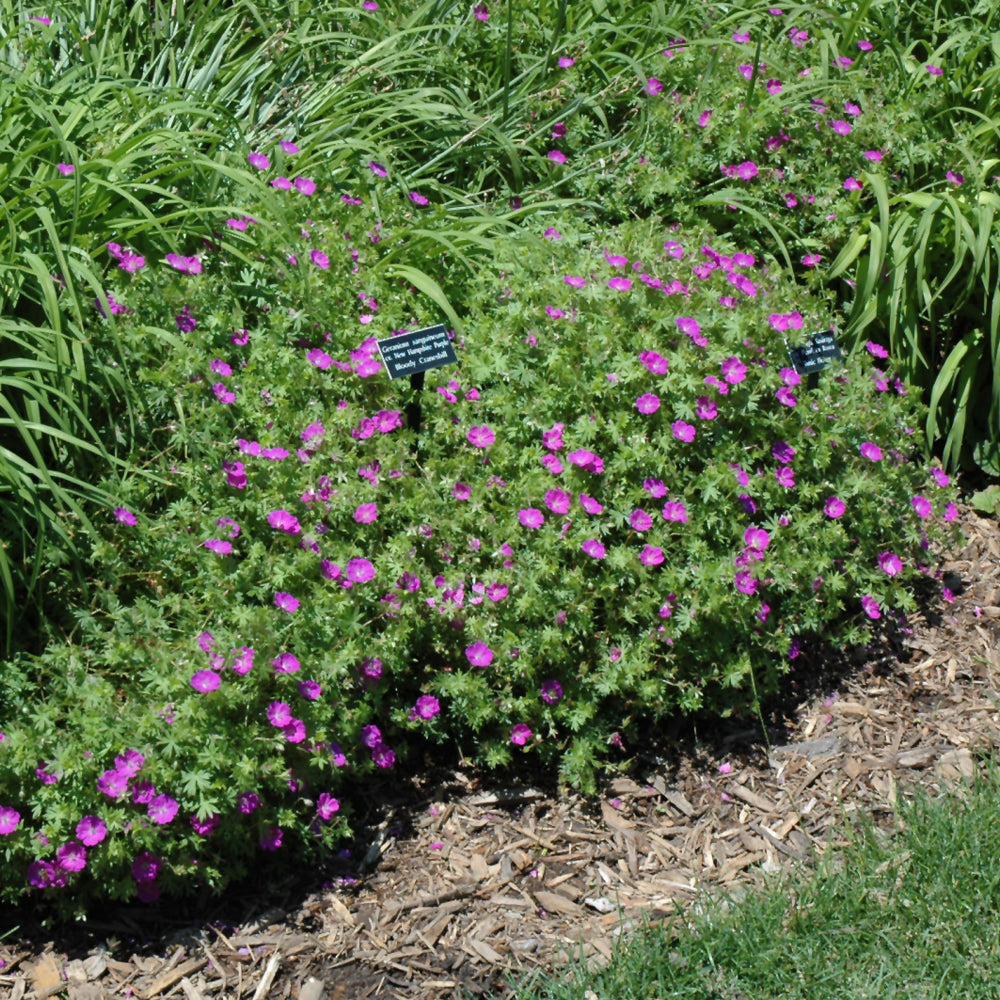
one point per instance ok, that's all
(621, 504)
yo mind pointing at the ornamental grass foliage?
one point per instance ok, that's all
(621, 505)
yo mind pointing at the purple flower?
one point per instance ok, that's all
(640, 520)
(320, 259)
(746, 583)
(247, 802)
(479, 654)
(871, 451)
(219, 546)
(933, 70)
(556, 156)
(785, 396)
(876, 350)
(682, 431)
(125, 516)
(186, 265)
(326, 806)
(91, 830)
(871, 607)
(319, 358)
(146, 867)
(205, 681)
(383, 755)
(586, 460)
(648, 403)
(286, 663)
(674, 510)
(359, 570)
(377, 169)
(305, 185)
(619, 284)
(271, 839)
(417, 198)
(835, 507)
(113, 784)
(243, 661)
(281, 520)
(480, 436)
(426, 707)
(783, 451)
(593, 548)
(71, 857)
(65, 169)
(520, 734)
(279, 713)
(10, 818)
(558, 501)
(890, 563)
(531, 517)
(366, 513)
(922, 506)
(461, 492)
(285, 602)
(651, 555)
(785, 475)
(258, 160)
(551, 692)
(203, 827)
(310, 690)
(162, 809)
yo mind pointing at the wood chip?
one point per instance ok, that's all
(163, 982)
(554, 902)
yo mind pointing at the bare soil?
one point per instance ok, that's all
(459, 886)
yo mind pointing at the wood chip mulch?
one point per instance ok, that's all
(462, 887)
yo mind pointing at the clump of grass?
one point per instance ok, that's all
(910, 915)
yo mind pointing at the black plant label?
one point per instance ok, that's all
(419, 351)
(816, 353)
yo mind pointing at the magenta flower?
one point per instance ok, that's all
(285, 602)
(785, 475)
(113, 784)
(377, 169)
(219, 546)
(783, 451)
(247, 802)
(871, 607)
(890, 563)
(921, 505)
(876, 350)
(383, 755)
(162, 809)
(417, 198)
(574, 281)
(593, 548)
(91, 830)
(326, 806)
(651, 555)
(955, 178)
(785, 396)
(674, 510)
(648, 403)
(366, 513)
(558, 501)
(520, 734)
(840, 126)
(871, 451)
(146, 867)
(933, 70)
(481, 12)
(288, 147)
(557, 156)
(746, 170)
(640, 520)
(756, 539)
(551, 692)
(733, 370)
(655, 362)
(203, 827)
(480, 436)
(282, 184)
(461, 492)
(811, 259)
(873, 155)
(310, 690)
(259, 161)
(746, 583)
(65, 169)
(590, 505)
(125, 516)
(359, 570)
(205, 681)
(281, 520)
(10, 819)
(71, 857)
(656, 488)
(320, 259)
(620, 284)
(586, 460)
(279, 713)
(682, 431)
(853, 184)
(186, 265)
(426, 707)
(319, 358)
(835, 507)
(705, 408)
(286, 663)
(305, 185)
(565, 62)
(479, 654)
(271, 839)
(940, 476)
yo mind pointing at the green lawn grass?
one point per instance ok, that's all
(910, 915)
